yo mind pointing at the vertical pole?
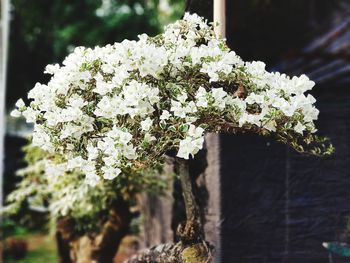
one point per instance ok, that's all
(220, 17)
(4, 33)
(212, 176)
(212, 172)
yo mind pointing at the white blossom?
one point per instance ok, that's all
(165, 115)
(110, 173)
(192, 143)
(201, 98)
(110, 113)
(146, 124)
(15, 113)
(20, 104)
(299, 128)
(107, 108)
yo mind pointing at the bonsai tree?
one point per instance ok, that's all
(89, 222)
(110, 112)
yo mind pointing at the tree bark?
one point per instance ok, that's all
(97, 247)
(174, 253)
(192, 248)
(192, 230)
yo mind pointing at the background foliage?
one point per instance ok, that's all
(43, 32)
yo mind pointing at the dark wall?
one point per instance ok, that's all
(278, 205)
(266, 29)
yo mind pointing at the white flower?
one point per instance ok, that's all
(146, 124)
(149, 137)
(182, 97)
(20, 104)
(189, 146)
(254, 98)
(129, 152)
(270, 125)
(192, 143)
(165, 115)
(178, 109)
(71, 114)
(201, 100)
(41, 138)
(123, 137)
(70, 130)
(76, 162)
(92, 179)
(55, 169)
(256, 68)
(92, 152)
(110, 160)
(102, 87)
(76, 102)
(250, 119)
(195, 132)
(299, 128)
(15, 113)
(182, 110)
(219, 94)
(52, 69)
(301, 84)
(30, 115)
(282, 104)
(110, 173)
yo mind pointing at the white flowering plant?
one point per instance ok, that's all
(110, 112)
(67, 196)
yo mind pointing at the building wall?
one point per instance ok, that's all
(278, 205)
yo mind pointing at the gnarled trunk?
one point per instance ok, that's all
(190, 231)
(97, 247)
(192, 247)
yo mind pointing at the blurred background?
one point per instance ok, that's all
(281, 208)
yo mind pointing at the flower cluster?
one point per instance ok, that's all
(119, 108)
(42, 190)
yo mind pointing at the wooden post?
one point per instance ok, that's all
(212, 172)
(220, 17)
